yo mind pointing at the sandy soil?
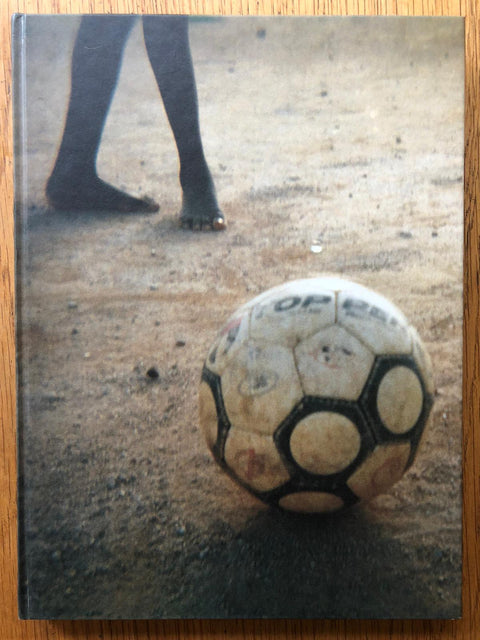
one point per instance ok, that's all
(346, 135)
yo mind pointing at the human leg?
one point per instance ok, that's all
(96, 60)
(167, 43)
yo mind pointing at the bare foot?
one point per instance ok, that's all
(200, 208)
(194, 217)
(93, 194)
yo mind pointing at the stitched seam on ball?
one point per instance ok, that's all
(299, 377)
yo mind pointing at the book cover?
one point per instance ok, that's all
(239, 277)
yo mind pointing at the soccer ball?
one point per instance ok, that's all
(315, 395)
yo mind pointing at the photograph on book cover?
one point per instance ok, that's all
(185, 452)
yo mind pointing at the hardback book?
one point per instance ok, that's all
(239, 274)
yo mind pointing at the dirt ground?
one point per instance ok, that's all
(341, 135)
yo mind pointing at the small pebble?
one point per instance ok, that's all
(153, 373)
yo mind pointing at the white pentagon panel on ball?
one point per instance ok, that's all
(333, 364)
(400, 399)
(233, 333)
(208, 414)
(293, 312)
(325, 442)
(311, 502)
(260, 387)
(255, 460)
(423, 361)
(381, 470)
(374, 320)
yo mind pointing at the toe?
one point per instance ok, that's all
(218, 223)
(150, 205)
(215, 223)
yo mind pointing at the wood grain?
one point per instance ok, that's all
(466, 628)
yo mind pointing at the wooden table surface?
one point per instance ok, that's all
(469, 627)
